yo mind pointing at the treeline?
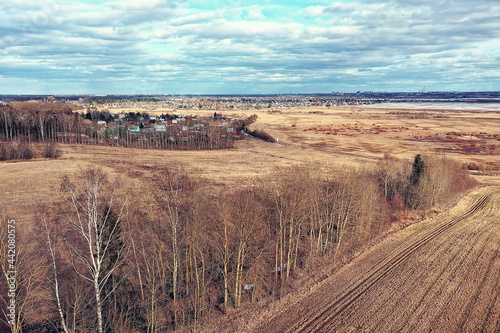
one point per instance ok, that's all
(428, 181)
(261, 134)
(258, 133)
(168, 255)
(35, 122)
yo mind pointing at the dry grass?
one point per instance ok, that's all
(24, 184)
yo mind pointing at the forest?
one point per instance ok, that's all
(178, 250)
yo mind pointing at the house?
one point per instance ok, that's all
(134, 129)
(160, 128)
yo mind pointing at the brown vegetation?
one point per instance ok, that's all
(206, 237)
(15, 151)
(27, 151)
(183, 251)
(261, 134)
(439, 275)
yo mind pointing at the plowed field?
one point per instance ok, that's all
(440, 275)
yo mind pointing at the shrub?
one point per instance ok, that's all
(4, 152)
(443, 179)
(51, 151)
(261, 134)
(430, 180)
(24, 151)
(16, 151)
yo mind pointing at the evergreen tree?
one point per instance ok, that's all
(418, 169)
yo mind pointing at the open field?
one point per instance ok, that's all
(360, 134)
(440, 275)
(351, 136)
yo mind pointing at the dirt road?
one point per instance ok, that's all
(440, 275)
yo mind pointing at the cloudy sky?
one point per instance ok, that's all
(224, 46)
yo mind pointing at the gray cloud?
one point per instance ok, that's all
(166, 46)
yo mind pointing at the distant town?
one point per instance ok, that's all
(248, 102)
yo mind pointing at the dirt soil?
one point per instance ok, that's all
(439, 275)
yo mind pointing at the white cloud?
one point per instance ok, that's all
(255, 12)
(197, 18)
(222, 28)
(313, 11)
(370, 43)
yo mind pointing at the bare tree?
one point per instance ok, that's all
(23, 270)
(247, 219)
(52, 251)
(288, 190)
(174, 188)
(223, 231)
(92, 201)
(41, 122)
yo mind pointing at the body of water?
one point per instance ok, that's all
(465, 106)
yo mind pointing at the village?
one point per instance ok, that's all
(132, 129)
(219, 103)
(165, 131)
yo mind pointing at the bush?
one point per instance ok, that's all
(4, 152)
(471, 166)
(443, 180)
(439, 182)
(16, 151)
(261, 134)
(24, 152)
(51, 151)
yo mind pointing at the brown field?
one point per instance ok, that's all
(441, 274)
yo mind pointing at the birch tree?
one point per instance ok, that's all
(52, 251)
(91, 201)
(247, 218)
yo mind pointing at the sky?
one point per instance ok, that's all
(243, 47)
